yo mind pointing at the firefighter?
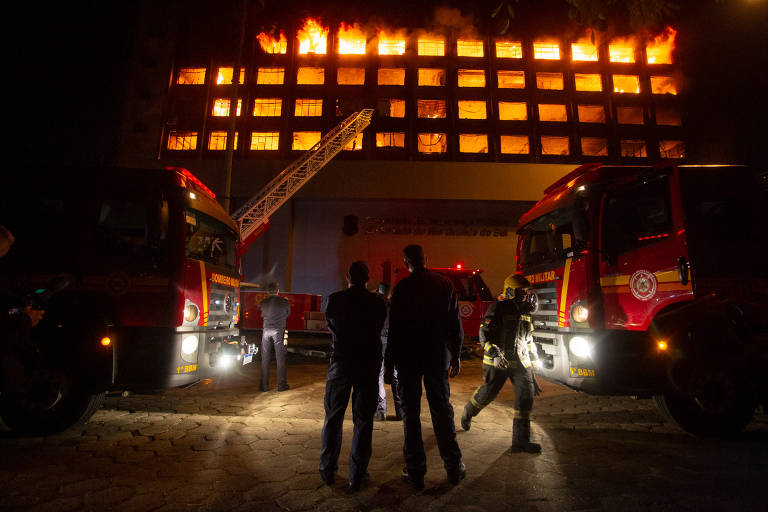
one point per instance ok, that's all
(355, 318)
(275, 311)
(506, 334)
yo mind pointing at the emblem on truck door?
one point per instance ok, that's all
(643, 285)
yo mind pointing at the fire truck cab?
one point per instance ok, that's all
(651, 281)
(150, 294)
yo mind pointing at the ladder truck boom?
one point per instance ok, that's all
(253, 216)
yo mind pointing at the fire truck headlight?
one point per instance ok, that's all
(226, 361)
(580, 313)
(580, 347)
(189, 344)
(191, 312)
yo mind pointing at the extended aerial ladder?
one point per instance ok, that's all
(253, 216)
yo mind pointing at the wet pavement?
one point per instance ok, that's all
(223, 445)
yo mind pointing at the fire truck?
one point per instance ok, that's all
(139, 273)
(652, 282)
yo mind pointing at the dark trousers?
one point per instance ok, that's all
(273, 339)
(495, 378)
(343, 380)
(438, 393)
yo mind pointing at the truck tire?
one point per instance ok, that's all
(55, 405)
(691, 415)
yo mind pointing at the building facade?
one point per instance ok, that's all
(468, 130)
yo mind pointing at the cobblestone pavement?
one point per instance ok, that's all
(222, 445)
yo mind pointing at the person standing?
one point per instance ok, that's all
(275, 311)
(425, 337)
(381, 408)
(507, 336)
(355, 318)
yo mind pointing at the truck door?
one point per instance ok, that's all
(643, 251)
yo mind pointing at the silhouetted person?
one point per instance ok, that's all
(355, 318)
(275, 311)
(425, 337)
(381, 408)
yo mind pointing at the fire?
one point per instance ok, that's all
(431, 45)
(351, 40)
(584, 49)
(313, 38)
(546, 50)
(391, 44)
(622, 49)
(269, 44)
(660, 49)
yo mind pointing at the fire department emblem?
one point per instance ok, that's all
(465, 309)
(117, 283)
(643, 285)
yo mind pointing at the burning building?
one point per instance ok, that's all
(468, 130)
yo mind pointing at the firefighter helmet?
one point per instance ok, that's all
(513, 282)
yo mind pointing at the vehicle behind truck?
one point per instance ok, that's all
(652, 281)
(146, 295)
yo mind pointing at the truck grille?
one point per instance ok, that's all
(544, 315)
(221, 306)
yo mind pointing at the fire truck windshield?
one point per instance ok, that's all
(548, 238)
(210, 240)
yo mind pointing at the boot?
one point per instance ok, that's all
(521, 437)
(466, 417)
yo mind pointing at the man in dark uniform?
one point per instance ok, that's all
(355, 318)
(425, 337)
(381, 409)
(275, 311)
(506, 334)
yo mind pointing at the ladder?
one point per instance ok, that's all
(253, 216)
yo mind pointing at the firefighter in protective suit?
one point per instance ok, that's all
(507, 337)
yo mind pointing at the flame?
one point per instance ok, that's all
(622, 49)
(313, 38)
(391, 43)
(431, 45)
(351, 40)
(546, 50)
(660, 49)
(469, 48)
(584, 48)
(509, 50)
(271, 45)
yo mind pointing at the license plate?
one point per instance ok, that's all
(582, 372)
(247, 358)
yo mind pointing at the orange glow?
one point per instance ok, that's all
(355, 144)
(546, 50)
(662, 345)
(351, 40)
(659, 50)
(106, 341)
(663, 85)
(313, 38)
(221, 107)
(224, 76)
(271, 44)
(432, 143)
(509, 50)
(432, 45)
(626, 84)
(622, 49)
(466, 48)
(584, 48)
(391, 43)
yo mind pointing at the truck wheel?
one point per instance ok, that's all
(701, 416)
(48, 405)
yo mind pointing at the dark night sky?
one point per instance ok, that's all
(71, 60)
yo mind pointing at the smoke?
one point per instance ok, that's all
(451, 19)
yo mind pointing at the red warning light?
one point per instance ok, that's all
(458, 266)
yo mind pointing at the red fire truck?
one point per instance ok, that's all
(151, 288)
(652, 281)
